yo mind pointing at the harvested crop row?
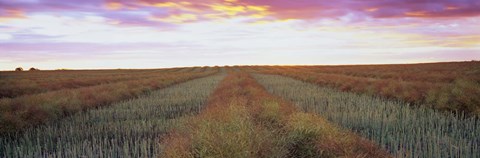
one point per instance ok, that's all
(26, 111)
(131, 128)
(459, 96)
(11, 86)
(430, 72)
(77, 73)
(404, 131)
(243, 120)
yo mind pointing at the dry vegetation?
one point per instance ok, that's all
(293, 111)
(25, 111)
(131, 128)
(243, 120)
(14, 84)
(405, 131)
(451, 87)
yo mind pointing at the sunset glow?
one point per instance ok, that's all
(51, 34)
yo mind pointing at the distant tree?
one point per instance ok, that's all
(33, 69)
(19, 69)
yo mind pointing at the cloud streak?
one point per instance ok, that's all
(270, 29)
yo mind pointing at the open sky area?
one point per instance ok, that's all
(91, 34)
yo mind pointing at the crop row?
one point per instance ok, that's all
(14, 84)
(55, 74)
(458, 96)
(25, 111)
(242, 119)
(431, 72)
(403, 130)
(131, 128)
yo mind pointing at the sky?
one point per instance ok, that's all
(104, 34)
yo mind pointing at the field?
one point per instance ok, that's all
(29, 110)
(125, 129)
(405, 131)
(414, 110)
(452, 87)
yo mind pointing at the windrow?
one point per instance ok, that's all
(403, 130)
(242, 119)
(457, 94)
(16, 84)
(32, 110)
(131, 128)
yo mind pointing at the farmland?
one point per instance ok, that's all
(452, 87)
(410, 110)
(14, 84)
(129, 128)
(242, 120)
(405, 131)
(29, 110)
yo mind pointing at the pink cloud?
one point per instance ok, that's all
(72, 28)
(123, 11)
